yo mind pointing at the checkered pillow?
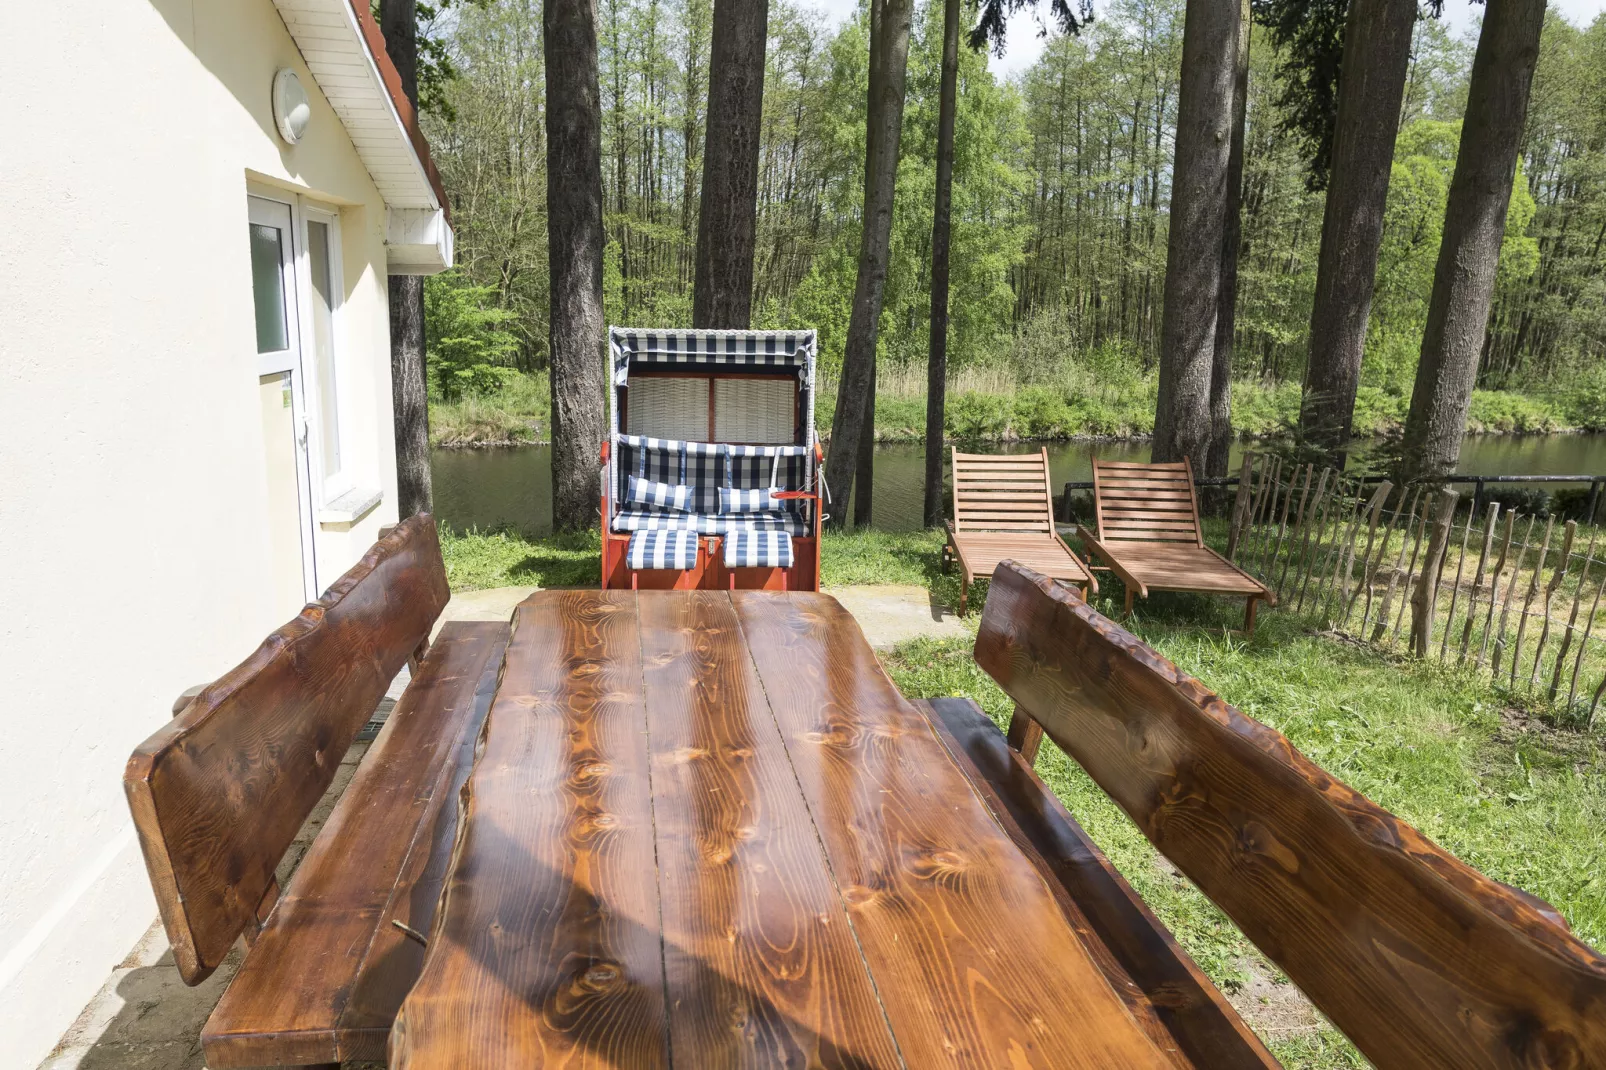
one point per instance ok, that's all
(678, 496)
(755, 500)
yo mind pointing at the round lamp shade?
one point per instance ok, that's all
(291, 111)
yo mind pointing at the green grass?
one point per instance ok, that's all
(476, 560)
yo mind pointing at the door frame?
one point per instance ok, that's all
(282, 210)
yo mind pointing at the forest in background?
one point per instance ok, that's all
(1061, 192)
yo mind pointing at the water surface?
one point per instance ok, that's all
(512, 488)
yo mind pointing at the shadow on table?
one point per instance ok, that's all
(589, 996)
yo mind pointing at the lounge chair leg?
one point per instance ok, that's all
(964, 593)
(1249, 615)
(1128, 611)
(1025, 735)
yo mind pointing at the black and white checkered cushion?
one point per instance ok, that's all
(681, 497)
(662, 549)
(748, 548)
(643, 518)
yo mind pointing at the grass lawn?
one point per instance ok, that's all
(1505, 789)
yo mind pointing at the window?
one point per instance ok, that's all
(749, 409)
(267, 286)
(324, 295)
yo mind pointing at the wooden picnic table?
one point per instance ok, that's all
(705, 828)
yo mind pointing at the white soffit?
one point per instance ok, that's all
(332, 43)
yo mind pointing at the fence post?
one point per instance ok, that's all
(1425, 601)
(1594, 500)
(1240, 506)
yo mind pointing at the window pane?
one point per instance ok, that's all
(267, 284)
(323, 332)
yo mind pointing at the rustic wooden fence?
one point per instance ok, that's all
(1511, 595)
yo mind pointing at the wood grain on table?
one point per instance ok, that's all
(706, 830)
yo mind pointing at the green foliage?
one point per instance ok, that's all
(1502, 410)
(467, 344)
(517, 414)
(978, 416)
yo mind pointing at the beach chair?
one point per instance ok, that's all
(1149, 535)
(1004, 511)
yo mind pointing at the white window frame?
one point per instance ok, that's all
(340, 482)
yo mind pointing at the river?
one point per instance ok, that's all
(512, 488)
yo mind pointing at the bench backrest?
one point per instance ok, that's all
(1002, 492)
(1146, 502)
(219, 794)
(1420, 959)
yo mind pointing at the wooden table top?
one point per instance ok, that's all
(705, 829)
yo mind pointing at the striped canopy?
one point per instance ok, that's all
(775, 349)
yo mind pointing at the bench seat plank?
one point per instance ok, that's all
(1165, 990)
(328, 972)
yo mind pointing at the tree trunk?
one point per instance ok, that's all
(1231, 240)
(1193, 253)
(409, 379)
(722, 295)
(889, 61)
(1371, 85)
(574, 250)
(1474, 225)
(864, 474)
(937, 361)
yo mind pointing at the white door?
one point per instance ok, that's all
(283, 405)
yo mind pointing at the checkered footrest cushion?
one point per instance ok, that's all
(662, 549)
(748, 548)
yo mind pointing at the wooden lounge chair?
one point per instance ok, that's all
(1004, 511)
(1149, 535)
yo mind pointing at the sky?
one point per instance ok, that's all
(1024, 45)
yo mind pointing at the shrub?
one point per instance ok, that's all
(1502, 410)
(977, 416)
(1041, 413)
(466, 343)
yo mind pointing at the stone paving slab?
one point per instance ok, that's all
(145, 1018)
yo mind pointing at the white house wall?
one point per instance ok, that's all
(133, 529)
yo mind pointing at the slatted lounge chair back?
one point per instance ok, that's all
(1002, 492)
(1146, 502)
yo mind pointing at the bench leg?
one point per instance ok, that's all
(1025, 735)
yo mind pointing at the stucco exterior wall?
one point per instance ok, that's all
(133, 531)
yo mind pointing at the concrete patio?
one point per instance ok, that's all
(145, 1018)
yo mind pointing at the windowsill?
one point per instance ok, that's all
(350, 507)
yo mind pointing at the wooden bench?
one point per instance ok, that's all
(1419, 959)
(220, 793)
(1004, 510)
(1149, 535)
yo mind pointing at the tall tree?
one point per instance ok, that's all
(722, 295)
(409, 382)
(1231, 242)
(1474, 228)
(1371, 85)
(1198, 212)
(574, 250)
(889, 67)
(937, 359)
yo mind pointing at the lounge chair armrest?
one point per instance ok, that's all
(793, 495)
(1093, 544)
